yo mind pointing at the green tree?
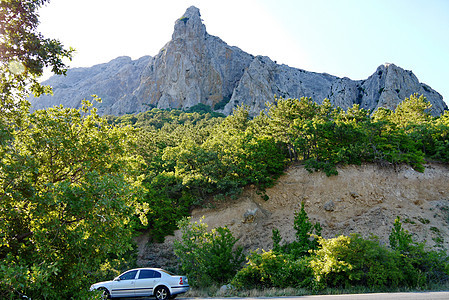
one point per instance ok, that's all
(67, 191)
(400, 239)
(420, 266)
(441, 138)
(24, 53)
(306, 234)
(412, 111)
(288, 119)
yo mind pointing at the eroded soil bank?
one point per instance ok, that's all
(361, 199)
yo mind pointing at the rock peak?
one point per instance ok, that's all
(189, 25)
(192, 11)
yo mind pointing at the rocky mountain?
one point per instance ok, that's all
(195, 67)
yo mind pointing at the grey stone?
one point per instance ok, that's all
(224, 289)
(329, 206)
(251, 214)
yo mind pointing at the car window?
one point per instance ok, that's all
(149, 274)
(128, 275)
(167, 272)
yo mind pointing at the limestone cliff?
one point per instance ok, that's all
(195, 67)
(387, 87)
(113, 82)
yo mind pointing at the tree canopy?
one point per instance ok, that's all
(68, 188)
(24, 53)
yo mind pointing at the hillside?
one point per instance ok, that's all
(195, 67)
(361, 199)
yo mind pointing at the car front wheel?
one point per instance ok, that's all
(105, 294)
(162, 293)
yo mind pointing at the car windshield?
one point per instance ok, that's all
(128, 275)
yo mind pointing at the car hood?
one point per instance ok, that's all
(98, 284)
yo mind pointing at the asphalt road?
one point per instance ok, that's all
(380, 296)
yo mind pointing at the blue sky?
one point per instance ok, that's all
(346, 38)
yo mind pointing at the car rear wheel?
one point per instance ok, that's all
(162, 293)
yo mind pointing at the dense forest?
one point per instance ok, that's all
(76, 188)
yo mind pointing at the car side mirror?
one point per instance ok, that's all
(117, 279)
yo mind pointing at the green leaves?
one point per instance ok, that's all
(207, 257)
(68, 186)
(347, 261)
(267, 269)
(24, 53)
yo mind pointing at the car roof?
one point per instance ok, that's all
(136, 269)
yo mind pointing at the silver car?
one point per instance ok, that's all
(144, 282)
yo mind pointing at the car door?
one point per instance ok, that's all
(146, 281)
(124, 285)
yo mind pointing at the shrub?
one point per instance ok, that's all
(306, 236)
(269, 269)
(348, 261)
(207, 257)
(419, 265)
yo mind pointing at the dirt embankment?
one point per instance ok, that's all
(361, 199)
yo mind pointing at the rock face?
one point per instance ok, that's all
(387, 87)
(195, 67)
(113, 82)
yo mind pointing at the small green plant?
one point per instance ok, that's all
(408, 221)
(312, 165)
(306, 236)
(400, 239)
(424, 221)
(434, 229)
(276, 237)
(184, 19)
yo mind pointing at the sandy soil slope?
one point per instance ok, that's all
(361, 199)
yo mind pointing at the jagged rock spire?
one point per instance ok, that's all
(189, 25)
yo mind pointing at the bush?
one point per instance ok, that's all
(207, 257)
(269, 269)
(347, 261)
(420, 267)
(306, 236)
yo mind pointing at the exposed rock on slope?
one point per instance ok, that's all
(361, 199)
(113, 82)
(196, 67)
(387, 87)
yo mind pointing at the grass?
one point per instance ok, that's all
(214, 291)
